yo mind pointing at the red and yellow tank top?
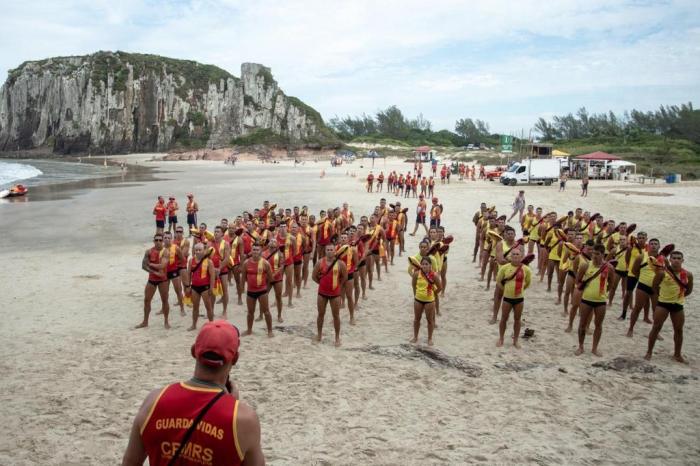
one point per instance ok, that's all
(173, 260)
(325, 231)
(255, 276)
(200, 277)
(235, 251)
(329, 285)
(298, 247)
(347, 257)
(154, 257)
(276, 264)
(214, 441)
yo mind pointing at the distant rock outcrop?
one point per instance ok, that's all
(123, 102)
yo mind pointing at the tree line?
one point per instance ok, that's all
(668, 121)
(391, 123)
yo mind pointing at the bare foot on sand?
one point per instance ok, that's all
(337, 343)
(247, 333)
(630, 334)
(516, 344)
(192, 327)
(159, 313)
(142, 325)
(430, 342)
(647, 356)
(648, 321)
(680, 359)
(352, 321)
(413, 340)
(270, 334)
(568, 329)
(499, 343)
(316, 340)
(492, 321)
(597, 352)
(578, 352)
(167, 326)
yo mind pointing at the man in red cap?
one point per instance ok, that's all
(200, 421)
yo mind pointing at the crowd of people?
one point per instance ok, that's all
(591, 257)
(275, 250)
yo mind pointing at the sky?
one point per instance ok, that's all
(507, 62)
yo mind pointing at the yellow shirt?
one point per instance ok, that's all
(621, 257)
(516, 286)
(596, 290)
(633, 257)
(647, 272)
(670, 291)
(535, 230)
(528, 220)
(424, 290)
(552, 241)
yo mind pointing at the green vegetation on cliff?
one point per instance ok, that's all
(197, 77)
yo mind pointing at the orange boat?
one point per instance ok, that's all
(16, 191)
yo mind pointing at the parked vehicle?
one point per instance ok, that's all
(539, 171)
(495, 173)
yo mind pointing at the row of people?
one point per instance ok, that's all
(591, 257)
(272, 250)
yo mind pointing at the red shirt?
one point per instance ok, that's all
(256, 276)
(160, 211)
(329, 285)
(200, 277)
(214, 442)
(276, 264)
(154, 256)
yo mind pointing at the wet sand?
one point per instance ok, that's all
(74, 373)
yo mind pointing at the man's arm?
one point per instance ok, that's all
(689, 289)
(212, 276)
(135, 453)
(315, 275)
(636, 266)
(248, 427)
(145, 262)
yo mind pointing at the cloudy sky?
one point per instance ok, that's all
(507, 62)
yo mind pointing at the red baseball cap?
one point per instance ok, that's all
(220, 337)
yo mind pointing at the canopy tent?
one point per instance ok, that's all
(622, 163)
(560, 153)
(601, 165)
(598, 156)
(424, 154)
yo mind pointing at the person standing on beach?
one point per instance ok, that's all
(370, 182)
(671, 284)
(593, 279)
(330, 273)
(258, 274)
(155, 262)
(562, 182)
(512, 279)
(584, 185)
(192, 209)
(159, 211)
(175, 260)
(201, 421)
(172, 213)
(518, 206)
(200, 284)
(426, 285)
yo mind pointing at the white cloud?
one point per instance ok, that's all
(353, 57)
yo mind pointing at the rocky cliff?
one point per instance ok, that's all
(123, 102)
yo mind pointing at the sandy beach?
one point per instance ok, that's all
(75, 373)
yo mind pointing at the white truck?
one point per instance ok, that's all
(540, 171)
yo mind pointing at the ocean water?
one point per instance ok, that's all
(43, 172)
(11, 172)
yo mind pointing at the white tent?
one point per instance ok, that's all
(621, 168)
